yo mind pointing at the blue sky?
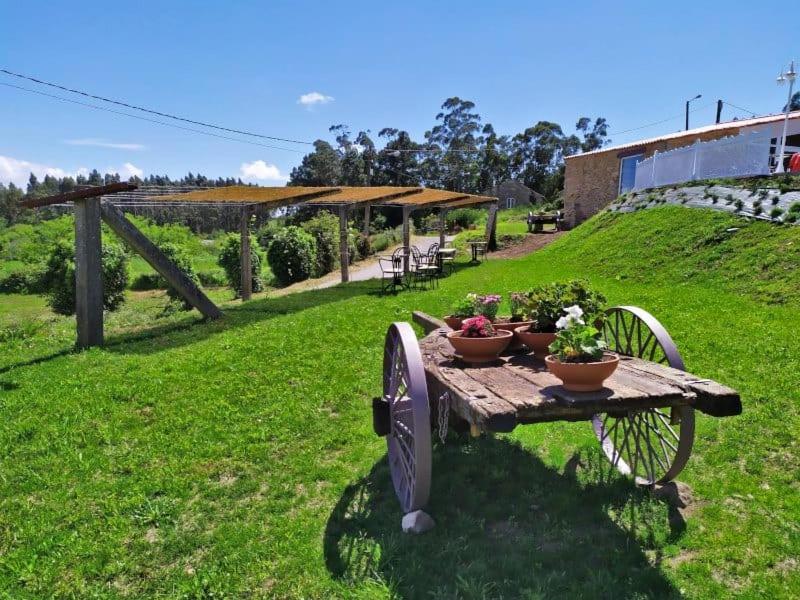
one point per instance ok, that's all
(247, 64)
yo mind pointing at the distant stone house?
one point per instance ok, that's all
(593, 179)
(512, 193)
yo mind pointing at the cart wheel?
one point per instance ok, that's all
(409, 439)
(652, 444)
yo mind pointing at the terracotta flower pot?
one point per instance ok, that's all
(538, 342)
(480, 350)
(453, 323)
(583, 377)
(507, 325)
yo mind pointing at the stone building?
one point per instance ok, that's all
(593, 179)
(512, 193)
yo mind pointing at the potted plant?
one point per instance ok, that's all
(478, 341)
(545, 307)
(488, 305)
(519, 303)
(463, 309)
(578, 356)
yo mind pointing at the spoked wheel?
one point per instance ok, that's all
(409, 438)
(651, 444)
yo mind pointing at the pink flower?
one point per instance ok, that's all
(479, 327)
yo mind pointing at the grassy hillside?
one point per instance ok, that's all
(236, 458)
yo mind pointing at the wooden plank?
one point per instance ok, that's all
(88, 273)
(344, 246)
(126, 230)
(427, 322)
(245, 266)
(82, 194)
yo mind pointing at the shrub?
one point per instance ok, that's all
(795, 208)
(59, 277)
(463, 217)
(546, 303)
(324, 227)
(28, 280)
(184, 263)
(380, 242)
(292, 255)
(230, 260)
(739, 204)
(147, 281)
(775, 200)
(363, 246)
(212, 278)
(776, 212)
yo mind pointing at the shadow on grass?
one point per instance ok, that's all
(507, 525)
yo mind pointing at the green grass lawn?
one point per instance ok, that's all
(236, 458)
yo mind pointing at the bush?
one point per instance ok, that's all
(292, 255)
(213, 278)
(324, 227)
(363, 246)
(463, 217)
(28, 280)
(147, 281)
(230, 257)
(184, 263)
(776, 212)
(380, 242)
(59, 278)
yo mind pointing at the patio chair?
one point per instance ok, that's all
(391, 273)
(422, 271)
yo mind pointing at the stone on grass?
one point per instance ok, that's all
(417, 522)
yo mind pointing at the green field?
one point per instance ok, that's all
(236, 458)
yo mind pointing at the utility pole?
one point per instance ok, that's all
(719, 111)
(687, 109)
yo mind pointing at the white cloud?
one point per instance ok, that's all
(313, 98)
(101, 143)
(260, 170)
(16, 171)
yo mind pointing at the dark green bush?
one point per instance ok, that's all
(230, 260)
(380, 242)
(147, 281)
(363, 246)
(184, 263)
(28, 280)
(212, 278)
(776, 212)
(59, 277)
(463, 217)
(292, 255)
(324, 228)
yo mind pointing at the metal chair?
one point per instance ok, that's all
(422, 271)
(391, 273)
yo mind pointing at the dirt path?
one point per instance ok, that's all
(531, 243)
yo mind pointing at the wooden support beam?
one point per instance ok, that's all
(442, 226)
(366, 219)
(344, 245)
(126, 230)
(88, 273)
(406, 236)
(82, 194)
(246, 267)
(491, 227)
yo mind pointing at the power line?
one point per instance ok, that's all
(141, 118)
(752, 112)
(653, 124)
(151, 111)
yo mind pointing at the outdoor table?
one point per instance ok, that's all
(475, 247)
(643, 418)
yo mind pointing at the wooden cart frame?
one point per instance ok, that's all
(644, 421)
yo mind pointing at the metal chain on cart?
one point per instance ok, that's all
(444, 415)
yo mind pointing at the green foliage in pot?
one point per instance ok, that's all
(547, 302)
(577, 342)
(230, 260)
(519, 306)
(59, 277)
(488, 305)
(465, 307)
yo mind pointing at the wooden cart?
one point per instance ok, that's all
(643, 418)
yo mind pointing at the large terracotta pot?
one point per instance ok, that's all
(538, 342)
(480, 350)
(516, 343)
(453, 323)
(583, 377)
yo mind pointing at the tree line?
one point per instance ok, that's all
(460, 152)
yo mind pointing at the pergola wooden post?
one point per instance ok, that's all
(491, 227)
(344, 243)
(88, 273)
(365, 231)
(406, 236)
(442, 226)
(245, 266)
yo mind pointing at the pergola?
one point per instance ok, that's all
(93, 204)
(340, 200)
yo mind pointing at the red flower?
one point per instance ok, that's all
(477, 327)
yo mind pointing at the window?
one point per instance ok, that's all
(627, 172)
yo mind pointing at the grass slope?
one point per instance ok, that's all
(236, 458)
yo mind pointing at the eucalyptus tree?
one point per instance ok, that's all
(456, 135)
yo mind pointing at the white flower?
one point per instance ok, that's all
(574, 312)
(562, 323)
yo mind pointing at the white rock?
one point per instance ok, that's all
(417, 522)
